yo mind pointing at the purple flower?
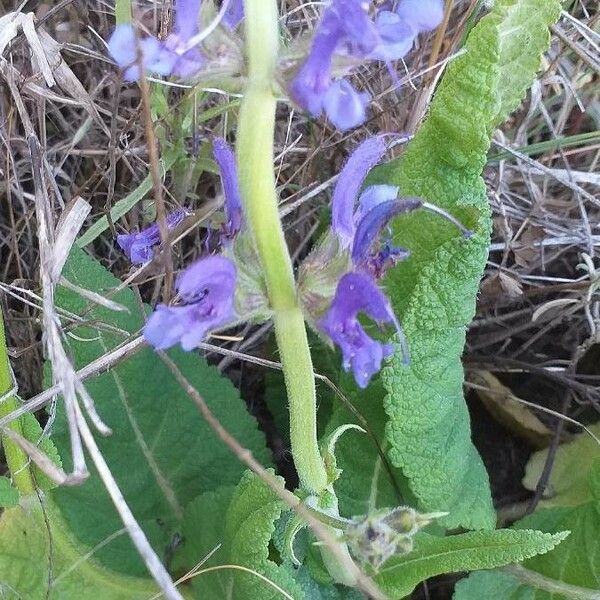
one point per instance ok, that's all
(344, 26)
(225, 158)
(398, 29)
(370, 222)
(170, 57)
(344, 106)
(234, 13)
(422, 15)
(363, 355)
(139, 247)
(207, 288)
(350, 180)
(396, 36)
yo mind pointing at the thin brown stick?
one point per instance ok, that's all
(244, 455)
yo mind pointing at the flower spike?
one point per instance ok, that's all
(207, 288)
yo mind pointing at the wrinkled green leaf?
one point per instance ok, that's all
(465, 552)
(568, 485)
(162, 452)
(25, 547)
(434, 291)
(244, 527)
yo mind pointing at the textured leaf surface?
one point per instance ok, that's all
(474, 550)
(243, 522)
(25, 546)
(162, 453)
(434, 292)
(576, 561)
(365, 484)
(568, 485)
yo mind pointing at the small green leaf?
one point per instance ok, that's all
(568, 485)
(9, 496)
(27, 546)
(474, 550)
(366, 484)
(243, 522)
(35, 434)
(434, 291)
(162, 452)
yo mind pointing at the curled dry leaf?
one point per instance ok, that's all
(508, 410)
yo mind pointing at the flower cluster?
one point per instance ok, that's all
(358, 219)
(346, 29)
(207, 288)
(218, 290)
(347, 34)
(179, 54)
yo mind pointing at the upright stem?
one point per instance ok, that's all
(16, 459)
(255, 160)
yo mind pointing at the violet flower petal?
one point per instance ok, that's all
(121, 45)
(372, 196)
(186, 18)
(373, 222)
(396, 36)
(314, 77)
(208, 286)
(344, 106)
(233, 14)
(225, 158)
(139, 246)
(421, 15)
(363, 355)
(350, 180)
(212, 276)
(359, 30)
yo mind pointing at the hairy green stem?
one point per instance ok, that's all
(256, 128)
(255, 159)
(17, 461)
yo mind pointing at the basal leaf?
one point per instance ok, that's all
(465, 552)
(568, 485)
(434, 291)
(162, 452)
(38, 564)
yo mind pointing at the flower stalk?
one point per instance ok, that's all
(257, 182)
(16, 459)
